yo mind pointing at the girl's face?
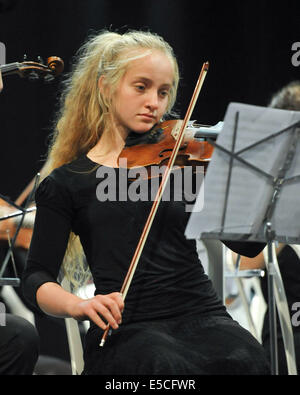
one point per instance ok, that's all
(141, 98)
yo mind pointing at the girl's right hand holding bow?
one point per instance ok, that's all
(101, 309)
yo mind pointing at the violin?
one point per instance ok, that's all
(35, 70)
(155, 147)
(17, 233)
(10, 218)
(8, 227)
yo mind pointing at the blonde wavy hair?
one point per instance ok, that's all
(82, 118)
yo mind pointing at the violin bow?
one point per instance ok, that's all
(160, 191)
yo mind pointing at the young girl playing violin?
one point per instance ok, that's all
(172, 322)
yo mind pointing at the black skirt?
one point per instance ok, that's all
(203, 345)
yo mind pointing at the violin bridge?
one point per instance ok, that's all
(176, 130)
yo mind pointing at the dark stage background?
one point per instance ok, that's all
(248, 45)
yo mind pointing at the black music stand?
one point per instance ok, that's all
(22, 211)
(251, 190)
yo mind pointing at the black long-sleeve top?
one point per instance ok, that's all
(169, 279)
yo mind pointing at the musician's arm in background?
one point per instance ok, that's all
(257, 262)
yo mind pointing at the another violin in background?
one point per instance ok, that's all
(34, 70)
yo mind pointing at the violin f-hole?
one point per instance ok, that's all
(161, 154)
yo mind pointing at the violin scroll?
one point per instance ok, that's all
(55, 64)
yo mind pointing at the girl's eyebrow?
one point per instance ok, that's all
(148, 80)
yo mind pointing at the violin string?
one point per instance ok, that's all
(9, 67)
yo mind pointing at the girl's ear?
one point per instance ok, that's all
(104, 90)
(101, 84)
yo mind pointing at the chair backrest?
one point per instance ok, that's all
(215, 250)
(74, 338)
(249, 290)
(282, 309)
(15, 303)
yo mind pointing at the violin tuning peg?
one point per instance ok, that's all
(24, 57)
(48, 78)
(33, 76)
(40, 59)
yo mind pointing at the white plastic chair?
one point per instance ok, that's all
(251, 296)
(15, 304)
(74, 338)
(72, 328)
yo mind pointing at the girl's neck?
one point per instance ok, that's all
(107, 150)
